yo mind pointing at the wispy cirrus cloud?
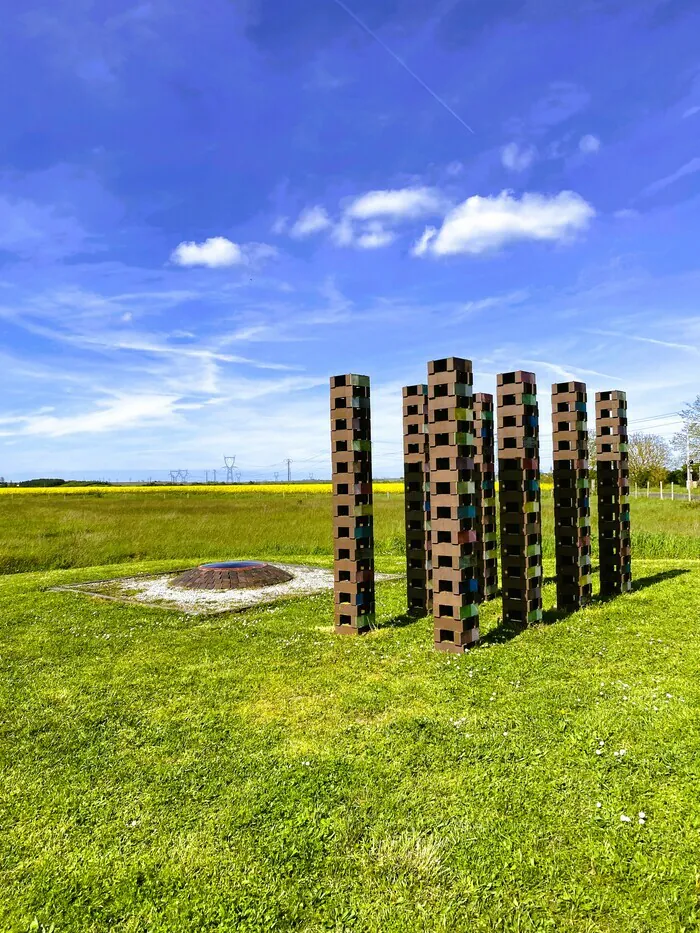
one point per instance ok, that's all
(670, 344)
(32, 230)
(690, 168)
(132, 411)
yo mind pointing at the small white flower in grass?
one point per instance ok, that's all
(623, 751)
(599, 805)
(642, 817)
(625, 819)
(599, 751)
(669, 696)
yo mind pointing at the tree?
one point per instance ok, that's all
(689, 437)
(592, 450)
(649, 459)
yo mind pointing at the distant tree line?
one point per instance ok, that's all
(47, 481)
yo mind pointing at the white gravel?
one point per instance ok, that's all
(159, 592)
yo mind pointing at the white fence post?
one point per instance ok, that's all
(647, 489)
(672, 492)
(661, 490)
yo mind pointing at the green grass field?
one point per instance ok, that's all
(41, 532)
(251, 772)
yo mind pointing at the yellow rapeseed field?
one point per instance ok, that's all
(234, 490)
(241, 489)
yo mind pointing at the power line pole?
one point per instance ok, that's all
(288, 461)
(229, 463)
(277, 476)
(688, 468)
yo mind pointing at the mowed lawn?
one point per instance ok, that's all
(254, 772)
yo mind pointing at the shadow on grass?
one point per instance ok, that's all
(505, 631)
(401, 620)
(643, 582)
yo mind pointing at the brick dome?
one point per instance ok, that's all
(232, 575)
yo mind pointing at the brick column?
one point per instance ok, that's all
(572, 513)
(416, 457)
(453, 505)
(485, 480)
(353, 531)
(612, 452)
(519, 497)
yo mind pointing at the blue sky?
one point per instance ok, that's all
(207, 210)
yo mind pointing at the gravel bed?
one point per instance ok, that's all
(157, 591)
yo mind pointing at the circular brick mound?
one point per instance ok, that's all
(232, 575)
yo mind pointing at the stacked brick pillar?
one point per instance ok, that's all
(416, 451)
(519, 495)
(453, 518)
(612, 452)
(485, 480)
(572, 514)
(353, 531)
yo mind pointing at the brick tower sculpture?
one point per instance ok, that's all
(612, 452)
(353, 531)
(485, 480)
(519, 496)
(453, 519)
(572, 513)
(416, 455)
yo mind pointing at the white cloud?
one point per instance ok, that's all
(688, 169)
(480, 224)
(375, 236)
(690, 112)
(589, 144)
(420, 247)
(455, 168)
(217, 252)
(518, 159)
(626, 213)
(280, 225)
(397, 204)
(311, 220)
(214, 252)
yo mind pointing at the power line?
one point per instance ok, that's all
(668, 414)
(403, 64)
